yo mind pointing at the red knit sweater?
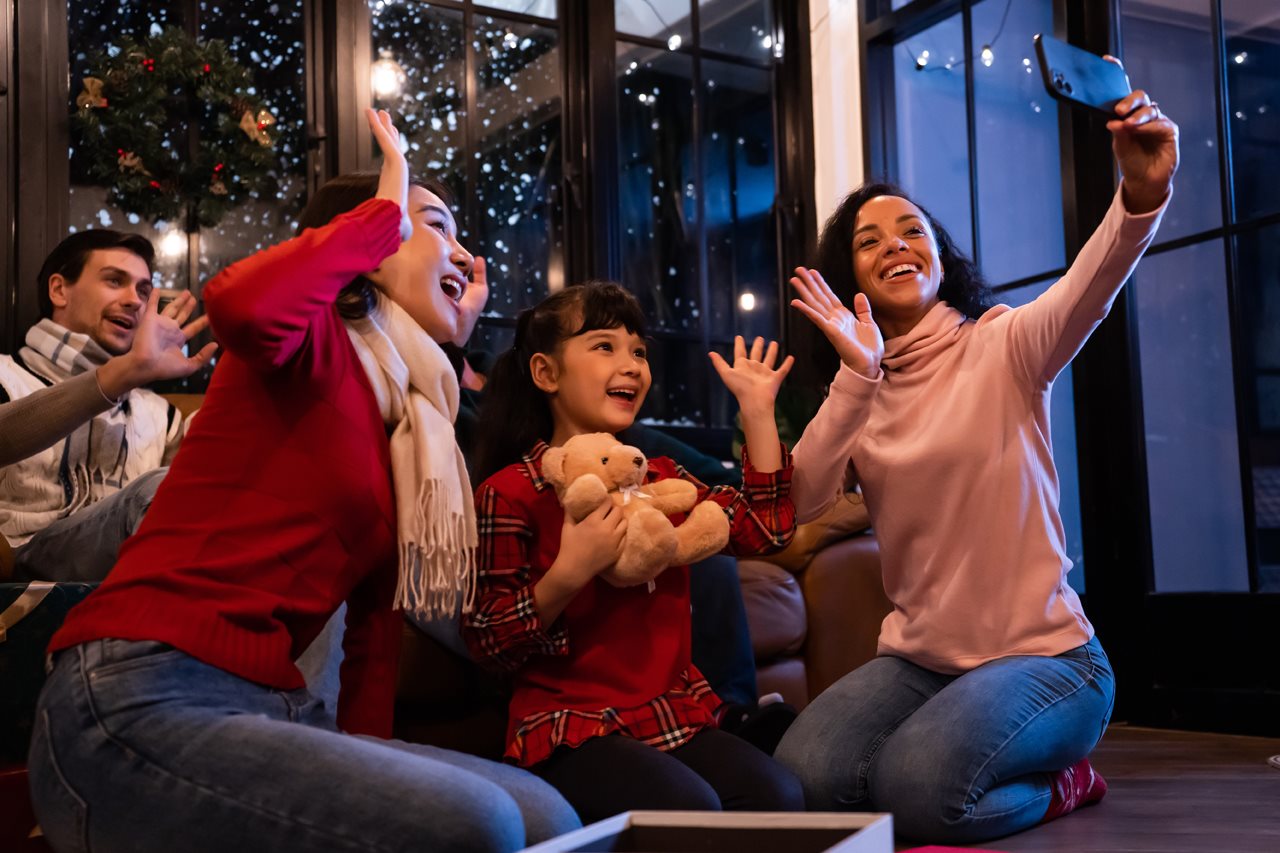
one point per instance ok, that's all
(279, 505)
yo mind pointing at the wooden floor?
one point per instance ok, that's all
(1170, 792)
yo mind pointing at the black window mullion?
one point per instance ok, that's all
(971, 128)
(695, 145)
(470, 132)
(1241, 356)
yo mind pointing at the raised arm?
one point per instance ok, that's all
(823, 452)
(40, 420)
(262, 307)
(1047, 333)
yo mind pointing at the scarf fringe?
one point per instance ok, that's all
(437, 576)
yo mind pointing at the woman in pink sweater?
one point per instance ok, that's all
(990, 689)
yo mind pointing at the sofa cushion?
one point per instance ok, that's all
(775, 609)
(847, 517)
(846, 600)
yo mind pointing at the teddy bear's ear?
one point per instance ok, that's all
(553, 466)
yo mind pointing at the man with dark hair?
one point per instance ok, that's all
(82, 444)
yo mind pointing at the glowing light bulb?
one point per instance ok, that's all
(747, 301)
(173, 244)
(988, 55)
(387, 76)
(674, 42)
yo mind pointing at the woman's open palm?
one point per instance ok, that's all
(854, 334)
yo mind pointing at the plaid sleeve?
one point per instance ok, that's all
(762, 518)
(504, 629)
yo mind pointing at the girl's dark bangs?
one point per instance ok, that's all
(609, 307)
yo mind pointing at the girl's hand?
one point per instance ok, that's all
(590, 546)
(752, 379)
(393, 182)
(854, 334)
(1146, 149)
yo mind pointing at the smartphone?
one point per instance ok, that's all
(1080, 78)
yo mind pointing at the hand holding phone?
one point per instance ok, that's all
(1080, 78)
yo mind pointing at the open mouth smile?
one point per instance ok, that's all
(453, 287)
(900, 271)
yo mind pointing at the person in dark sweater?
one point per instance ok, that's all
(321, 470)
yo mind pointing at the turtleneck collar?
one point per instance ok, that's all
(933, 335)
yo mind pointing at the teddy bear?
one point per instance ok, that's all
(589, 469)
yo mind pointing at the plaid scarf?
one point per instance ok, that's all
(95, 454)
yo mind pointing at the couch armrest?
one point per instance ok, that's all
(846, 604)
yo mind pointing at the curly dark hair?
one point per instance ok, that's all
(962, 287)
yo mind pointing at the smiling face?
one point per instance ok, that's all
(596, 382)
(427, 276)
(106, 301)
(896, 262)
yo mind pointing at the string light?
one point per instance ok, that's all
(674, 42)
(747, 301)
(922, 60)
(988, 55)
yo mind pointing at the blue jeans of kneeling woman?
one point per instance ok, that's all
(954, 758)
(139, 746)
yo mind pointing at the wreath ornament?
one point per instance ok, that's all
(171, 127)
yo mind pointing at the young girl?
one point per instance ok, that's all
(607, 706)
(322, 469)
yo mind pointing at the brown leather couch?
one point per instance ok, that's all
(815, 609)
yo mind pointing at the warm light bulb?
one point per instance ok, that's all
(674, 42)
(1241, 57)
(387, 76)
(173, 244)
(747, 301)
(922, 60)
(988, 55)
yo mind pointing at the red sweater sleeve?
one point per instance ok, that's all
(371, 658)
(261, 308)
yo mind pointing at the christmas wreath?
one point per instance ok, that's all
(170, 126)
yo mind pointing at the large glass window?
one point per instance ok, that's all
(697, 185)
(500, 152)
(265, 36)
(1258, 266)
(1189, 411)
(1173, 56)
(1016, 155)
(1253, 103)
(929, 113)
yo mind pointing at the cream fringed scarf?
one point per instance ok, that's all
(417, 393)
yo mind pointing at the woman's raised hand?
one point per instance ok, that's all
(1146, 149)
(854, 334)
(393, 181)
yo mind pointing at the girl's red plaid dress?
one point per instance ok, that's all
(617, 660)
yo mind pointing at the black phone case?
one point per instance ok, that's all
(1080, 78)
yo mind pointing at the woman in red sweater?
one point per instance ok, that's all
(322, 469)
(607, 705)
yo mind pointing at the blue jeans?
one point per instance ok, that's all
(139, 746)
(83, 546)
(956, 759)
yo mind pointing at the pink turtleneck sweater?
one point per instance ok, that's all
(951, 447)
